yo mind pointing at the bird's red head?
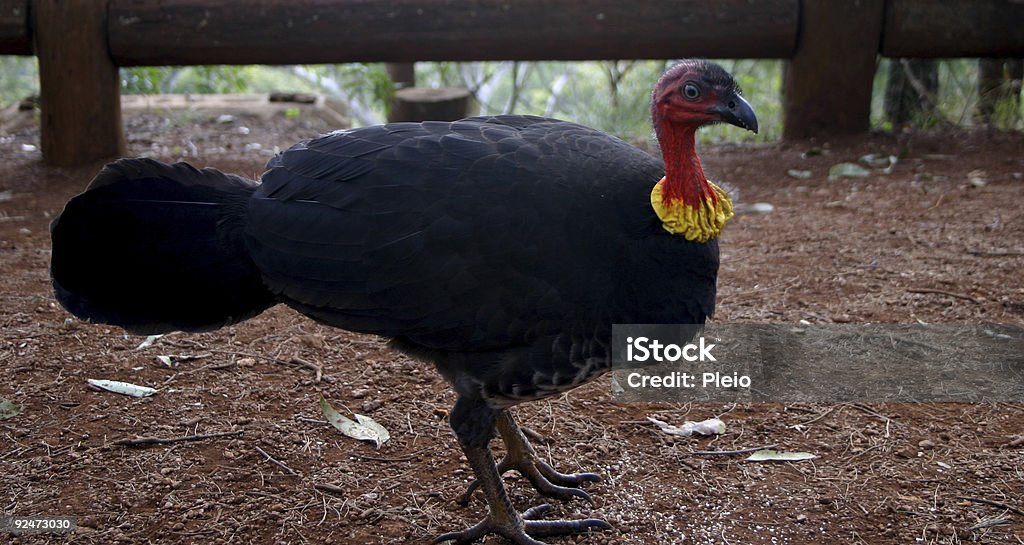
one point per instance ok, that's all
(688, 96)
(697, 92)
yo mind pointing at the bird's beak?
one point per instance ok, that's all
(734, 110)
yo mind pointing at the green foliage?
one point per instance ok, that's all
(609, 95)
(957, 100)
(214, 79)
(146, 80)
(369, 83)
(18, 79)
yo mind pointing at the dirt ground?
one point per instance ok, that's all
(939, 239)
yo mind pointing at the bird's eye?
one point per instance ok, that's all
(691, 92)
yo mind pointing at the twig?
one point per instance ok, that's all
(819, 417)
(995, 254)
(993, 503)
(864, 408)
(210, 367)
(732, 452)
(331, 489)
(943, 292)
(146, 441)
(988, 523)
(397, 459)
(275, 461)
(317, 370)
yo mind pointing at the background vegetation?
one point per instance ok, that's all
(610, 95)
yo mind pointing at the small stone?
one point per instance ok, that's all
(926, 443)
(801, 518)
(370, 406)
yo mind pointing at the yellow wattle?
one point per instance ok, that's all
(699, 223)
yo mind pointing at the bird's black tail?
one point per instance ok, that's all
(154, 248)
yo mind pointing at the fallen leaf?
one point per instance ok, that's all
(769, 455)
(799, 174)
(366, 429)
(148, 342)
(759, 208)
(847, 170)
(711, 426)
(123, 388)
(884, 162)
(8, 410)
(978, 178)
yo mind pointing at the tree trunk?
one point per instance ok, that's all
(912, 91)
(80, 94)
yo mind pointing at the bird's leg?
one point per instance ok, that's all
(523, 458)
(473, 422)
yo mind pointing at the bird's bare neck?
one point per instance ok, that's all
(684, 175)
(685, 201)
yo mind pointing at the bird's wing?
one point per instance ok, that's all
(475, 234)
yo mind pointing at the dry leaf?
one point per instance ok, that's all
(711, 426)
(366, 429)
(123, 388)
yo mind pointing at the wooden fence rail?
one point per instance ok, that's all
(832, 44)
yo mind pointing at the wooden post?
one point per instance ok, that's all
(403, 74)
(827, 85)
(430, 104)
(80, 94)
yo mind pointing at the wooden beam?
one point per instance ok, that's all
(827, 85)
(14, 28)
(954, 28)
(80, 95)
(182, 32)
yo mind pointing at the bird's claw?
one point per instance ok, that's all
(544, 478)
(565, 479)
(521, 534)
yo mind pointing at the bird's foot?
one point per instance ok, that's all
(544, 478)
(523, 458)
(523, 530)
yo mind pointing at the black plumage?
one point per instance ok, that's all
(500, 248)
(414, 241)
